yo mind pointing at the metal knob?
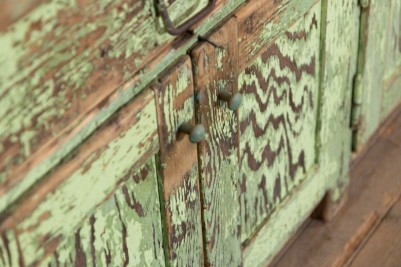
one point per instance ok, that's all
(196, 132)
(234, 101)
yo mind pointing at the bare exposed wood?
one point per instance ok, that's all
(12, 10)
(261, 22)
(179, 166)
(54, 208)
(216, 69)
(383, 248)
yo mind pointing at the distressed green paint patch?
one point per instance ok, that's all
(283, 224)
(126, 93)
(288, 12)
(373, 69)
(124, 231)
(278, 120)
(339, 58)
(184, 206)
(90, 184)
(179, 168)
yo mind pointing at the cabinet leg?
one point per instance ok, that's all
(329, 208)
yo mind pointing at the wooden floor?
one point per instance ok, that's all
(367, 231)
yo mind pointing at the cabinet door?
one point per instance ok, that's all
(216, 68)
(296, 70)
(178, 166)
(278, 119)
(100, 206)
(377, 88)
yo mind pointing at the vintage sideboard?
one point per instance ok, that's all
(127, 140)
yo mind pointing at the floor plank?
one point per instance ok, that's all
(375, 188)
(384, 247)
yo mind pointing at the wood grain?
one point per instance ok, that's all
(216, 69)
(13, 10)
(68, 66)
(375, 187)
(278, 120)
(53, 209)
(179, 166)
(384, 246)
(261, 22)
(126, 230)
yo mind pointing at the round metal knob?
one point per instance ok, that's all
(234, 101)
(196, 132)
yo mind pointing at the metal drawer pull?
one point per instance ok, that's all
(234, 101)
(177, 30)
(196, 133)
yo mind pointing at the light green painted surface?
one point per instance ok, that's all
(338, 61)
(391, 95)
(179, 167)
(281, 225)
(215, 70)
(278, 120)
(75, 71)
(59, 212)
(124, 231)
(274, 202)
(378, 67)
(339, 57)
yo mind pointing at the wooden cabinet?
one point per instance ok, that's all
(178, 166)
(125, 146)
(216, 71)
(377, 86)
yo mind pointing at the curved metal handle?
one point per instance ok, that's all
(177, 30)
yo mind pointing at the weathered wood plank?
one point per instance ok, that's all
(282, 225)
(340, 30)
(58, 86)
(391, 95)
(54, 208)
(12, 10)
(278, 120)
(261, 22)
(383, 248)
(179, 166)
(124, 231)
(216, 70)
(59, 72)
(371, 70)
(375, 187)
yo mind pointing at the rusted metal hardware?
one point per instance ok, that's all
(177, 30)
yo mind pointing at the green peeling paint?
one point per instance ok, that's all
(280, 90)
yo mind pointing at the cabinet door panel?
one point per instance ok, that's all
(124, 231)
(215, 70)
(54, 208)
(379, 68)
(278, 120)
(179, 166)
(391, 88)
